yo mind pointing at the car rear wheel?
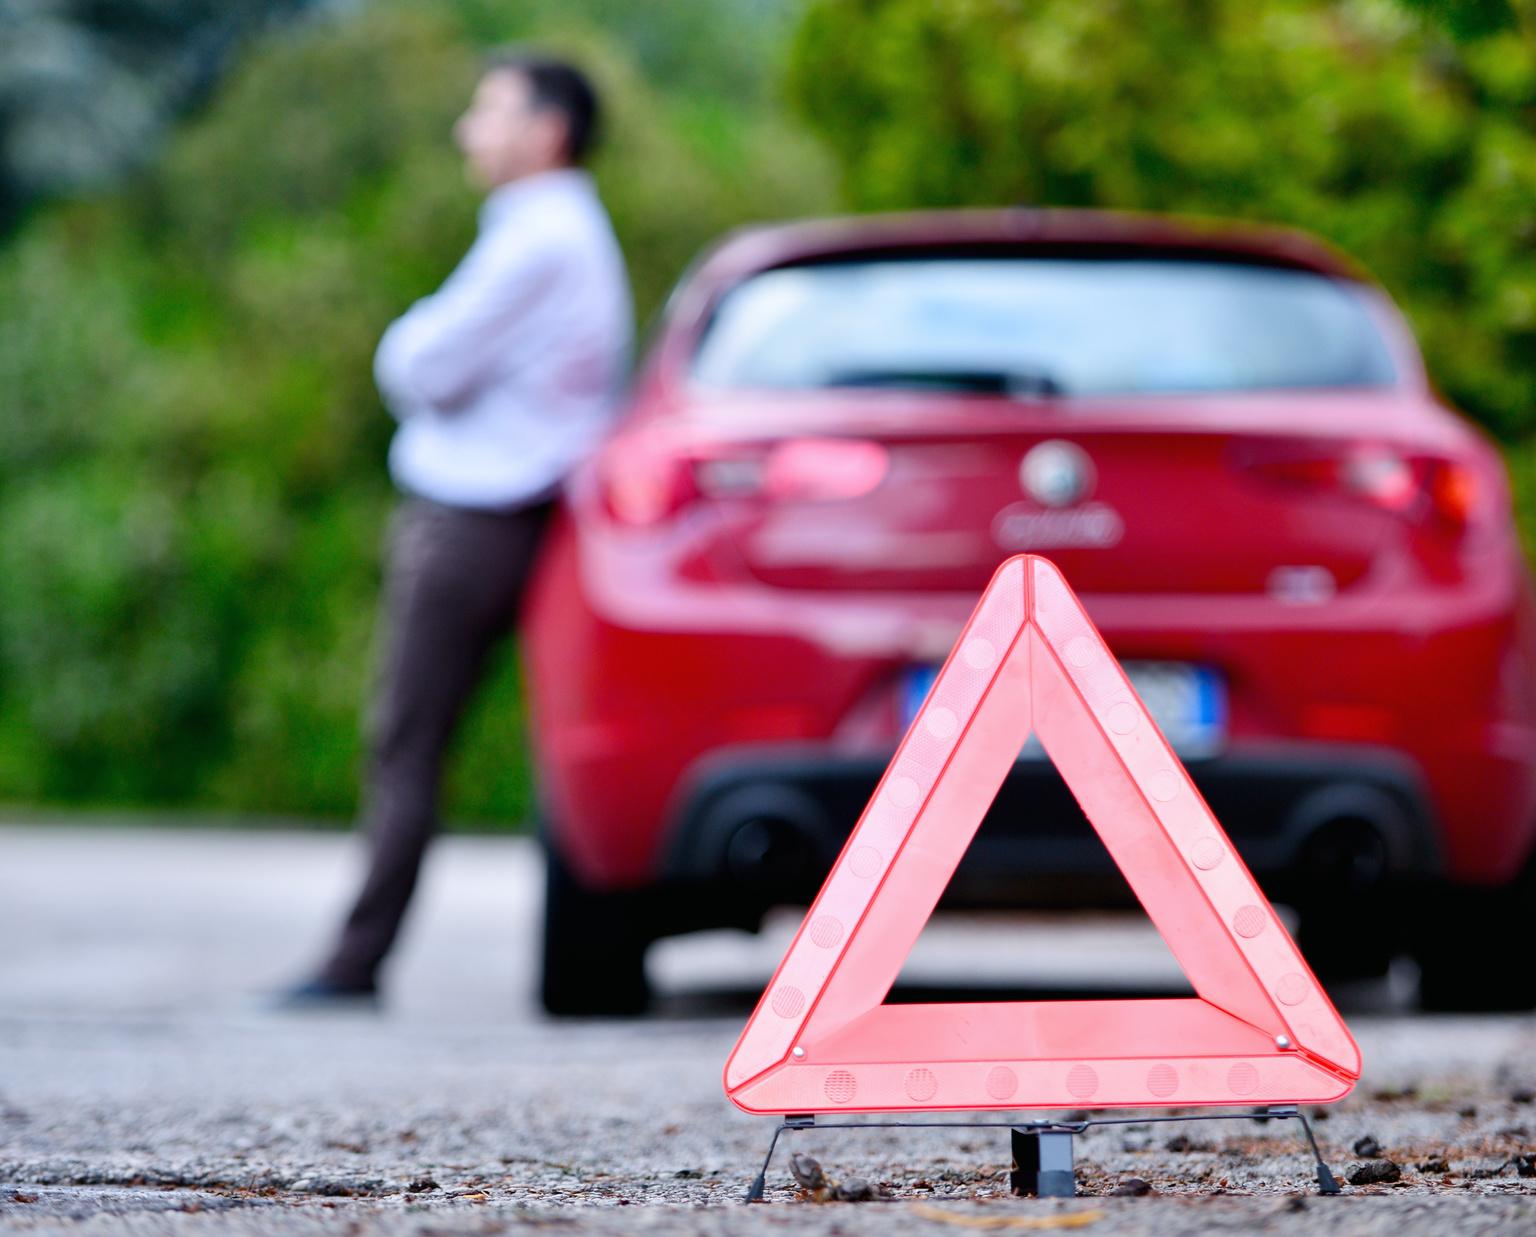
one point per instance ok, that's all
(593, 962)
(1473, 950)
(1345, 947)
(1347, 932)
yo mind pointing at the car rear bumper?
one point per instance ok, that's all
(655, 697)
(1309, 819)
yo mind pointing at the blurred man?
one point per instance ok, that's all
(501, 381)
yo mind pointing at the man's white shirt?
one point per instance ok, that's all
(507, 375)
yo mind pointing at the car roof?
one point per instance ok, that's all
(1083, 233)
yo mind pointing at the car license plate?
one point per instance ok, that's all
(1188, 702)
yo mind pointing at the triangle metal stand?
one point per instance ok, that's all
(1042, 1150)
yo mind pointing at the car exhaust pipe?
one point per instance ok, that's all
(773, 848)
(1345, 855)
(1348, 841)
(772, 834)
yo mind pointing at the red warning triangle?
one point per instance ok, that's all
(1260, 1029)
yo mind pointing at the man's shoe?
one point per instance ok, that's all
(323, 995)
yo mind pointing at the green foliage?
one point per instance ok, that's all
(192, 481)
(87, 89)
(1403, 131)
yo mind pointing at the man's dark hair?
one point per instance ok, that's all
(560, 85)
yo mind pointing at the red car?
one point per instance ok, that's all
(1225, 439)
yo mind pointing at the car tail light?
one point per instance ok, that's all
(824, 468)
(644, 479)
(1415, 486)
(1454, 493)
(647, 477)
(1381, 477)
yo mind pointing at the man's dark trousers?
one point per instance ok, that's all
(454, 582)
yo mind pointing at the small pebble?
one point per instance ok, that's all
(855, 1190)
(1484, 1168)
(1375, 1172)
(1367, 1146)
(807, 1172)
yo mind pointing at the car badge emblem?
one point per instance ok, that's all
(1056, 473)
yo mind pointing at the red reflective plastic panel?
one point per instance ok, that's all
(1260, 1029)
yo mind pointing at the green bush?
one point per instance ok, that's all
(1405, 133)
(192, 482)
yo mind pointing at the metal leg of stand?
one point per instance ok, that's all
(1326, 1182)
(1042, 1163)
(760, 1182)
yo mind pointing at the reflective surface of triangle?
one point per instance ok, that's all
(1260, 1029)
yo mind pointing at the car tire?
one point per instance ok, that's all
(1349, 918)
(1346, 947)
(593, 958)
(1472, 950)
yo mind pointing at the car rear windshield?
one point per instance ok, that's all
(1043, 326)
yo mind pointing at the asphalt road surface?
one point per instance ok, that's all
(146, 1088)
